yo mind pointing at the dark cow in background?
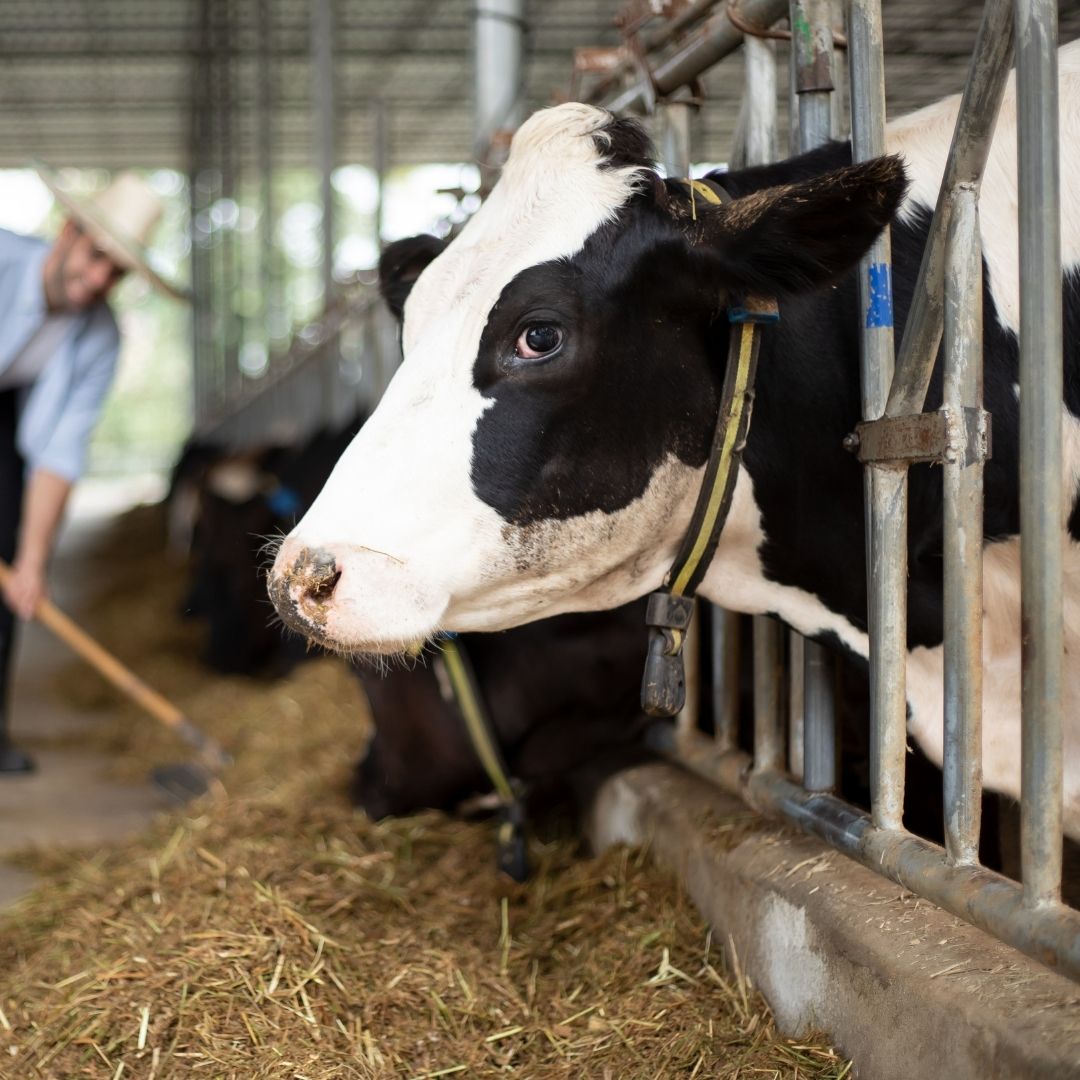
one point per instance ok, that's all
(243, 501)
(561, 694)
(541, 447)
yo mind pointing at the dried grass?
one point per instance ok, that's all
(275, 933)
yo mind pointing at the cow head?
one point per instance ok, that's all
(540, 448)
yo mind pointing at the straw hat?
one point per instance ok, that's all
(120, 219)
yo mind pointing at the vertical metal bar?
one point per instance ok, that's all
(811, 41)
(962, 764)
(725, 669)
(812, 45)
(796, 702)
(759, 100)
(819, 718)
(675, 117)
(497, 69)
(1040, 448)
(268, 275)
(325, 130)
(325, 146)
(886, 489)
(975, 123)
(768, 680)
(380, 155)
(229, 159)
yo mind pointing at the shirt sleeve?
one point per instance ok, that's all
(64, 451)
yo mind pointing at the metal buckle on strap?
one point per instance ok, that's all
(754, 309)
(663, 686)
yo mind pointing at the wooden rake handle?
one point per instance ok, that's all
(122, 677)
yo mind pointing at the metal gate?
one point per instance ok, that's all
(948, 301)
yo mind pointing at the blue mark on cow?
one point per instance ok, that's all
(284, 502)
(879, 311)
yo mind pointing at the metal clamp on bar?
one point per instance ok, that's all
(663, 686)
(938, 437)
(754, 309)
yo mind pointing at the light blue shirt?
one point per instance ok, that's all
(59, 410)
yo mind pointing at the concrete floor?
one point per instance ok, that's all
(69, 800)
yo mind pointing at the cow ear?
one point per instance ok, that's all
(400, 264)
(800, 236)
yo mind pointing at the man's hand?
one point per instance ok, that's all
(25, 587)
(43, 506)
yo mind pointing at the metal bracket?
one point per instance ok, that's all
(945, 436)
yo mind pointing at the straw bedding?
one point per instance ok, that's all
(273, 932)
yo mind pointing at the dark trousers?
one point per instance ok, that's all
(11, 496)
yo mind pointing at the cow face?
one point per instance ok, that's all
(539, 449)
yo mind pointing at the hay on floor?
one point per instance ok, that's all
(274, 932)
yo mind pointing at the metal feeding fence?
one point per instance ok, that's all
(895, 433)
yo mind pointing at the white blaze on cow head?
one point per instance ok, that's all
(539, 449)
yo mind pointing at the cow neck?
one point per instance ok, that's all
(512, 857)
(670, 608)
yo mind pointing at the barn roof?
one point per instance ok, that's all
(111, 82)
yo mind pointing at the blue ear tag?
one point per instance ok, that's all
(284, 502)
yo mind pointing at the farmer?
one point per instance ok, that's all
(58, 350)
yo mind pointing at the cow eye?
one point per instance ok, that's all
(538, 340)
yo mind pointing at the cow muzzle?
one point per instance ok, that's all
(302, 585)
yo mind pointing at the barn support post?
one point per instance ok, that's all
(269, 270)
(201, 278)
(885, 487)
(1041, 511)
(380, 156)
(812, 48)
(497, 59)
(963, 493)
(324, 123)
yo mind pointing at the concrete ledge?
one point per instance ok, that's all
(903, 988)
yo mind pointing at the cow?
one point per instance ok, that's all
(561, 696)
(541, 446)
(560, 693)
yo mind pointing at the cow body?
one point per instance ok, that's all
(562, 366)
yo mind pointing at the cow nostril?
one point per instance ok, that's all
(316, 573)
(306, 585)
(321, 589)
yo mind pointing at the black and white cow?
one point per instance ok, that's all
(542, 445)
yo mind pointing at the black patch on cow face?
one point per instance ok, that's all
(624, 144)
(632, 381)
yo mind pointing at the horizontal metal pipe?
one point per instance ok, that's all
(650, 42)
(979, 896)
(975, 124)
(710, 42)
